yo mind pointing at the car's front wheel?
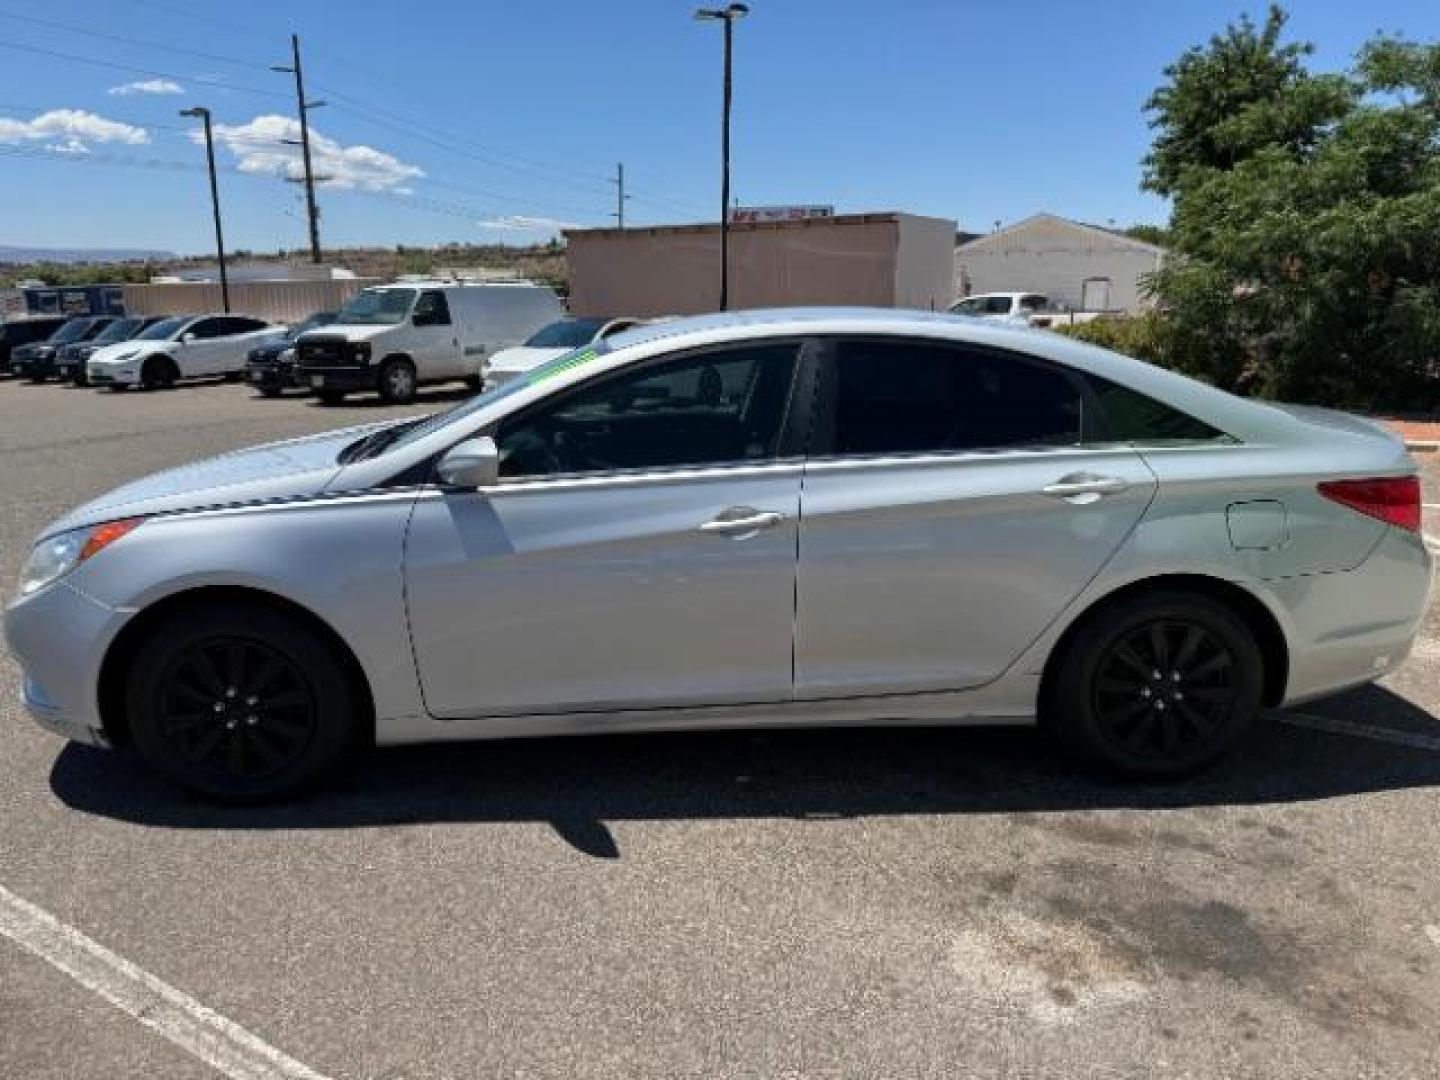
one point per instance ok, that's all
(1157, 685)
(242, 703)
(397, 382)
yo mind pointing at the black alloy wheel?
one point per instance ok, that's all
(237, 708)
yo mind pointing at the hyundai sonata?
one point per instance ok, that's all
(772, 518)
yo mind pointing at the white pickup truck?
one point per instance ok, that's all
(1023, 308)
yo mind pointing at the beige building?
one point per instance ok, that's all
(1082, 266)
(875, 260)
(278, 301)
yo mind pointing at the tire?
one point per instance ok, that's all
(240, 702)
(330, 397)
(158, 373)
(397, 382)
(475, 382)
(1106, 702)
(233, 376)
(269, 391)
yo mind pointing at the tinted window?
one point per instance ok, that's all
(1130, 416)
(1032, 303)
(74, 330)
(241, 324)
(565, 334)
(910, 398)
(207, 328)
(432, 309)
(384, 307)
(119, 330)
(718, 407)
(163, 330)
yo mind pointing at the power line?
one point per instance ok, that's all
(200, 80)
(137, 42)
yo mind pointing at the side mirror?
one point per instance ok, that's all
(474, 463)
(186, 339)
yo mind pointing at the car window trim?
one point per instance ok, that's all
(794, 427)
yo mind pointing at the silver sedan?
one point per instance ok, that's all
(771, 518)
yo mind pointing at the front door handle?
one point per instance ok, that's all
(1084, 488)
(742, 521)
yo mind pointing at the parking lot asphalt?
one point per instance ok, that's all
(810, 904)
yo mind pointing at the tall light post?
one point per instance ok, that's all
(204, 114)
(728, 16)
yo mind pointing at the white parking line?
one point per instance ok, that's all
(219, 1042)
(1331, 726)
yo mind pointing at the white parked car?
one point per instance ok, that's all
(186, 347)
(394, 338)
(554, 340)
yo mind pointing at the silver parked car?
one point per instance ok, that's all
(771, 518)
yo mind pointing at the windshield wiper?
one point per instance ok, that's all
(375, 443)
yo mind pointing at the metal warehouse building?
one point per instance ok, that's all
(880, 260)
(1082, 266)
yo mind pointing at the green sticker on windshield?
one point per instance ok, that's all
(559, 367)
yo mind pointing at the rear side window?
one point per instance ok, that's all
(915, 398)
(1129, 416)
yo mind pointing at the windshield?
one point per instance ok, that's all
(119, 330)
(378, 307)
(74, 330)
(320, 318)
(162, 329)
(565, 334)
(547, 370)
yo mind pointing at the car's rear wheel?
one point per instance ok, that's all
(331, 397)
(269, 391)
(397, 382)
(1157, 685)
(242, 703)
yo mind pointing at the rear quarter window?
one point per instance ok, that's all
(1130, 416)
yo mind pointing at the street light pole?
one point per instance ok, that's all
(204, 114)
(727, 15)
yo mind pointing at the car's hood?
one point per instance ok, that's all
(351, 331)
(523, 358)
(110, 353)
(292, 469)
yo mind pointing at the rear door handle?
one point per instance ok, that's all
(742, 521)
(1083, 488)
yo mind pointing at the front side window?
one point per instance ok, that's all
(565, 334)
(164, 330)
(899, 397)
(432, 309)
(1032, 303)
(721, 407)
(205, 329)
(119, 330)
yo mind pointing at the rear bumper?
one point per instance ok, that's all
(1350, 628)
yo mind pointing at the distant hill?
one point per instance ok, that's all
(20, 255)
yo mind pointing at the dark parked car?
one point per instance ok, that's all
(70, 360)
(25, 332)
(37, 360)
(270, 368)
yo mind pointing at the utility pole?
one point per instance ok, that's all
(304, 108)
(728, 16)
(620, 197)
(619, 183)
(204, 114)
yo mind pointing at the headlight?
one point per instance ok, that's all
(287, 356)
(56, 556)
(362, 351)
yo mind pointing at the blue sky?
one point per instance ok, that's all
(482, 120)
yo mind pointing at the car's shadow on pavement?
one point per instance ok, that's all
(578, 784)
(363, 399)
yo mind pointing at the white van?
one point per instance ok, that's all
(393, 338)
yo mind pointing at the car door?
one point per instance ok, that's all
(199, 355)
(953, 505)
(242, 334)
(638, 552)
(435, 337)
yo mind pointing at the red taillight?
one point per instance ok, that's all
(1395, 500)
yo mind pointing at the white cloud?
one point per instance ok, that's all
(70, 130)
(148, 86)
(258, 148)
(521, 223)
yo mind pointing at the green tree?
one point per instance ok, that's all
(1306, 220)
